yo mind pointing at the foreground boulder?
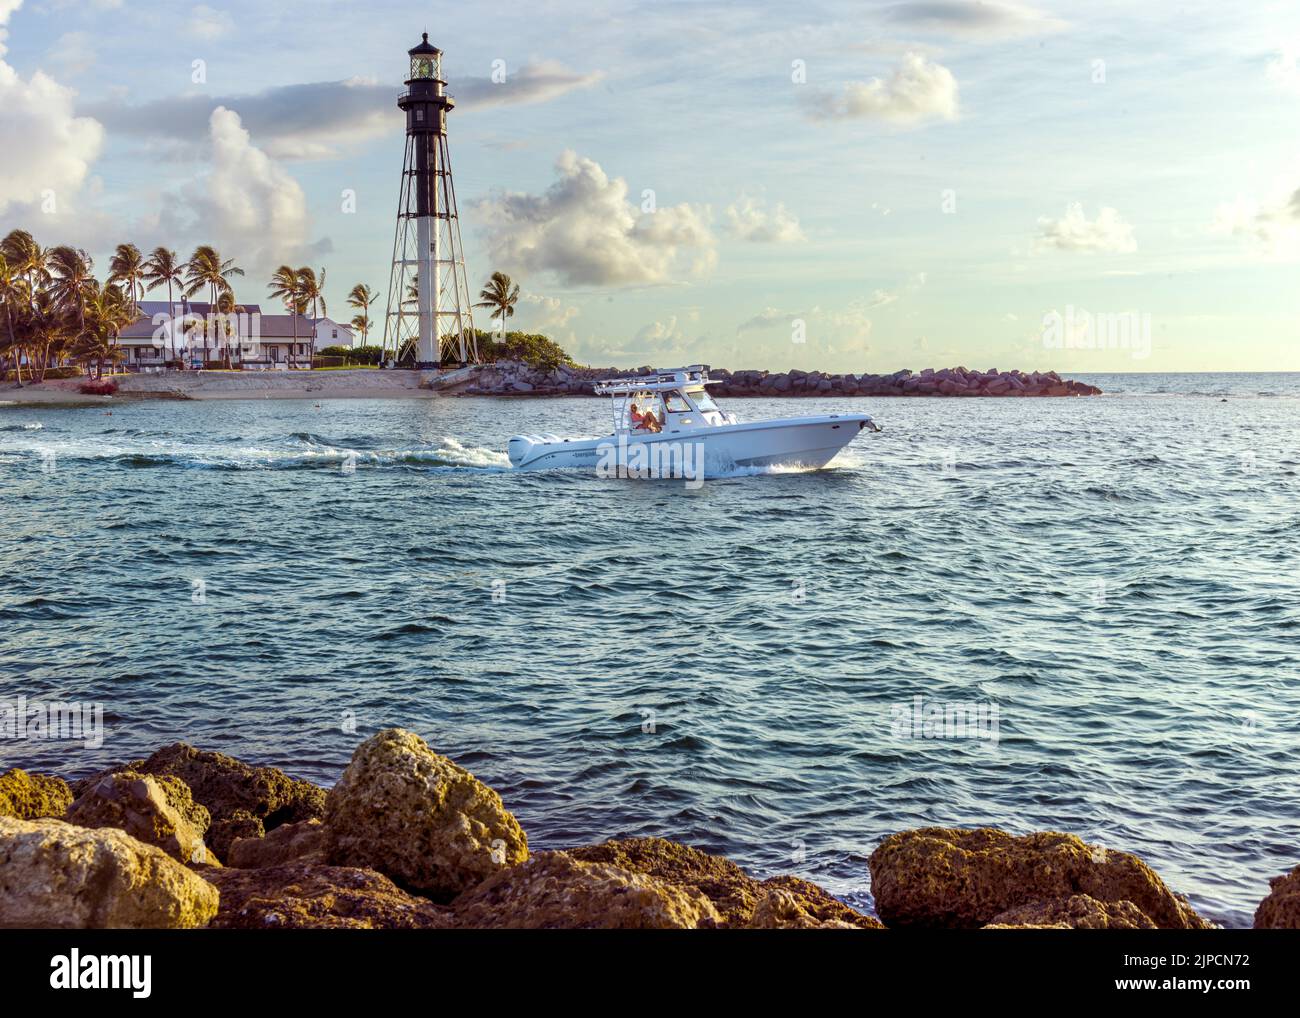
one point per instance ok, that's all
(964, 879)
(817, 905)
(243, 800)
(1281, 909)
(302, 896)
(553, 890)
(302, 842)
(149, 810)
(55, 875)
(781, 910)
(1077, 912)
(733, 892)
(29, 796)
(404, 810)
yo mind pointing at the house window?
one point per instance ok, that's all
(334, 334)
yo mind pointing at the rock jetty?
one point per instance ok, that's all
(513, 378)
(409, 839)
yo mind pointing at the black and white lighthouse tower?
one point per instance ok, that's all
(428, 294)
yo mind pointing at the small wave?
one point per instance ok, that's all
(450, 455)
(759, 471)
(34, 426)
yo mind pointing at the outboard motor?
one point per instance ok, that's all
(519, 448)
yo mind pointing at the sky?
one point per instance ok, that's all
(847, 186)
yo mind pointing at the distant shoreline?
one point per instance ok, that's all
(515, 380)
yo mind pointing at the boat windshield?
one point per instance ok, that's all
(703, 401)
(675, 402)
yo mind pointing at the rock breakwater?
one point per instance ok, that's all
(409, 839)
(513, 378)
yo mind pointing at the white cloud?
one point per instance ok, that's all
(1274, 225)
(881, 298)
(534, 83)
(583, 231)
(825, 331)
(545, 312)
(986, 19)
(206, 23)
(46, 147)
(7, 8)
(917, 91)
(660, 337)
(247, 205)
(1076, 232)
(749, 221)
(1283, 70)
(319, 119)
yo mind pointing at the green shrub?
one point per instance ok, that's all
(535, 350)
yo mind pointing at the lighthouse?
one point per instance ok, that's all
(429, 318)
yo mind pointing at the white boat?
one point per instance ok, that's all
(667, 425)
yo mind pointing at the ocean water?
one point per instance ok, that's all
(1109, 585)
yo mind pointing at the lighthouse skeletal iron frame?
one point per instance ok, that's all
(427, 248)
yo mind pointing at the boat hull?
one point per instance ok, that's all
(807, 443)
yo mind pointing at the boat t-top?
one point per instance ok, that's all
(668, 418)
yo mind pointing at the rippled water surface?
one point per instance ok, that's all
(1116, 576)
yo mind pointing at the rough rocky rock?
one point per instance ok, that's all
(56, 875)
(1281, 909)
(943, 877)
(232, 790)
(733, 892)
(29, 796)
(818, 905)
(406, 811)
(225, 832)
(553, 890)
(299, 895)
(1077, 912)
(781, 910)
(302, 842)
(506, 378)
(141, 805)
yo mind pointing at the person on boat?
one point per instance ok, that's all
(644, 421)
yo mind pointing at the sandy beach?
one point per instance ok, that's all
(209, 385)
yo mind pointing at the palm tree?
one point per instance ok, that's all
(501, 294)
(361, 298)
(313, 288)
(286, 284)
(207, 268)
(11, 299)
(73, 285)
(43, 330)
(104, 314)
(163, 268)
(27, 265)
(26, 258)
(228, 322)
(127, 267)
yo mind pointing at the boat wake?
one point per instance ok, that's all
(300, 451)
